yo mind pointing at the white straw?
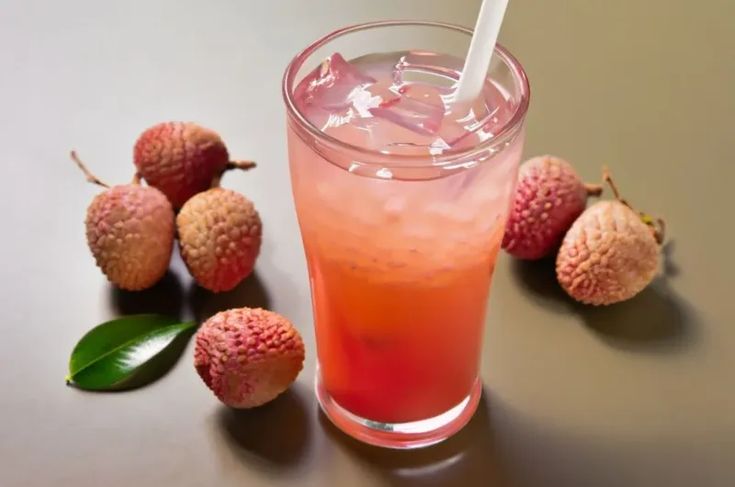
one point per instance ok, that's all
(481, 50)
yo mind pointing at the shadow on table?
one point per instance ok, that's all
(166, 298)
(277, 432)
(467, 459)
(503, 446)
(654, 320)
(250, 292)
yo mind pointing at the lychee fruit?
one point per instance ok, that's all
(182, 159)
(248, 357)
(219, 237)
(549, 196)
(130, 231)
(610, 253)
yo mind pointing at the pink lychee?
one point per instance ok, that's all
(248, 357)
(130, 231)
(219, 237)
(611, 252)
(549, 196)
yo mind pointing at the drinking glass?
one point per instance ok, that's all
(401, 249)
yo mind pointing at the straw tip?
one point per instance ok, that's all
(480, 52)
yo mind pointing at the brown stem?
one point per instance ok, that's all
(607, 177)
(243, 165)
(136, 178)
(87, 173)
(659, 230)
(658, 226)
(593, 189)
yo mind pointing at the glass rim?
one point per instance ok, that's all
(508, 129)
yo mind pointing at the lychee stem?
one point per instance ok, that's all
(87, 173)
(658, 225)
(136, 178)
(659, 231)
(606, 177)
(243, 165)
(593, 189)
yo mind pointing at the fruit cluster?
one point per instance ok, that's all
(246, 356)
(131, 227)
(607, 253)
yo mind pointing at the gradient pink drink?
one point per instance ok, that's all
(400, 255)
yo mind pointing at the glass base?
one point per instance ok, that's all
(416, 434)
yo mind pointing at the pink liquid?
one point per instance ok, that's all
(400, 258)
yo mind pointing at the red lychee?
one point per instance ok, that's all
(248, 357)
(549, 196)
(182, 159)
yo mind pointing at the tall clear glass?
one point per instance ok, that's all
(401, 249)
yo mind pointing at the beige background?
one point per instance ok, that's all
(638, 394)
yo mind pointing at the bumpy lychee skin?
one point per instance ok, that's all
(130, 231)
(608, 255)
(180, 158)
(549, 196)
(219, 237)
(247, 356)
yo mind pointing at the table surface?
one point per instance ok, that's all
(636, 394)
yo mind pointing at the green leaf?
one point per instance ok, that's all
(128, 352)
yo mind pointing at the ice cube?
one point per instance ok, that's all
(330, 85)
(334, 93)
(418, 107)
(378, 134)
